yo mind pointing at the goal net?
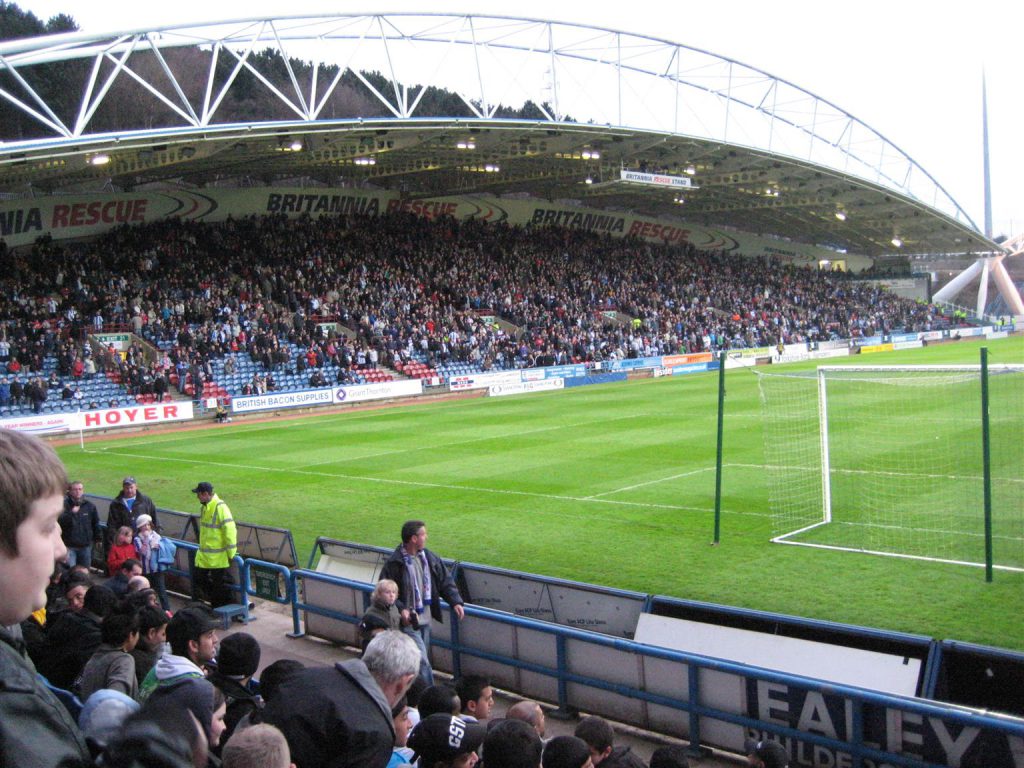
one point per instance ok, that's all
(889, 460)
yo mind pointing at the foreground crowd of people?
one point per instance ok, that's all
(102, 674)
(409, 289)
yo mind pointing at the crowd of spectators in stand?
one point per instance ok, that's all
(408, 288)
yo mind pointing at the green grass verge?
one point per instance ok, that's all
(610, 484)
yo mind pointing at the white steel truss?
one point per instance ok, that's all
(573, 73)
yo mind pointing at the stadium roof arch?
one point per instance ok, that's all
(763, 155)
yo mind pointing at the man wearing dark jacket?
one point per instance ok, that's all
(76, 636)
(238, 658)
(126, 507)
(79, 526)
(423, 579)
(340, 716)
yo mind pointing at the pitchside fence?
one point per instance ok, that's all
(575, 645)
(263, 542)
(708, 702)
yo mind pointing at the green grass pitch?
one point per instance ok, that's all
(611, 484)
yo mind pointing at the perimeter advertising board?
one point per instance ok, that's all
(136, 416)
(483, 380)
(898, 338)
(360, 392)
(934, 740)
(554, 372)
(682, 370)
(42, 424)
(327, 396)
(541, 385)
(301, 399)
(796, 353)
(870, 349)
(632, 363)
(106, 418)
(964, 333)
(868, 341)
(688, 359)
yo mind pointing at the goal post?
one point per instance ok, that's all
(890, 460)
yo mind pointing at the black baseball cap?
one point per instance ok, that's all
(443, 737)
(203, 487)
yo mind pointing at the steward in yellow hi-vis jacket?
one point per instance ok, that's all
(218, 543)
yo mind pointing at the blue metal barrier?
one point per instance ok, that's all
(189, 548)
(299, 605)
(286, 599)
(863, 708)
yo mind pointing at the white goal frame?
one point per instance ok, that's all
(823, 372)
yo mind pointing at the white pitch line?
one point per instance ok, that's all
(439, 446)
(445, 486)
(396, 451)
(880, 473)
(292, 420)
(941, 531)
(650, 482)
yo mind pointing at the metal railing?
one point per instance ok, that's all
(559, 657)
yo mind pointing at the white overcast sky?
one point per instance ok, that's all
(909, 69)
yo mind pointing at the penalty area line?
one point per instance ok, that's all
(650, 482)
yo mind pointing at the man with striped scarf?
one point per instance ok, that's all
(423, 579)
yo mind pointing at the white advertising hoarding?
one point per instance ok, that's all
(327, 396)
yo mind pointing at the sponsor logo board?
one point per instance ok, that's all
(679, 370)
(697, 357)
(540, 385)
(135, 416)
(106, 418)
(360, 392)
(274, 400)
(327, 396)
(49, 424)
(483, 380)
(932, 739)
(873, 348)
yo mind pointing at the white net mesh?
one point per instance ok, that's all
(891, 461)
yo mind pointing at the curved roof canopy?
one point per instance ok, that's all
(436, 104)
